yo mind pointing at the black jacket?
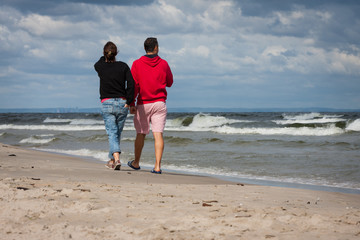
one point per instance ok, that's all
(116, 80)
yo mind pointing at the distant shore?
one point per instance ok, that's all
(46, 195)
(177, 109)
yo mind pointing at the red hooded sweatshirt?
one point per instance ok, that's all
(151, 75)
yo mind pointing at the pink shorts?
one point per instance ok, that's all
(154, 113)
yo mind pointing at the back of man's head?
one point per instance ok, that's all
(150, 44)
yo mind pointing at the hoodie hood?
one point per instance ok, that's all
(152, 62)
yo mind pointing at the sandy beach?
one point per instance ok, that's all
(50, 196)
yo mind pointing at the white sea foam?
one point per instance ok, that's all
(56, 120)
(86, 122)
(309, 121)
(215, 171)
(354, 126)
(201, 122)
(128, 139)
(58, 127)
(36, 140)
(303, 131)
(53, 127)
(206, 121)
(309, 118)
(306, 116)
(100, 155)
(75, 121)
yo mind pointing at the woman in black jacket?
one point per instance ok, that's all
(116, 94)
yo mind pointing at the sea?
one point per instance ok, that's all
(309, 150)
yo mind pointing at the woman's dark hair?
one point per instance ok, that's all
(150, 44)
(110, 51)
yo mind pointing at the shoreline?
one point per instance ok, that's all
(231, 179)
(47, 195)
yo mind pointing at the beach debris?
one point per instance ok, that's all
(36, 179)
(82, 190)
(243, 216)
(207, 203)
(23, 188)
(162, 195)
(240, 184)
(12, 155)
(269, 236)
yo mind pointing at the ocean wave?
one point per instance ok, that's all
(56, 120)
(309, 121)
(37, 140)
(354, 126)
(309, 118)
(131, 139)
(52, 127)
(74, 121)
(303, 131)
(178, 140)
(201, 120)
(99, 155)
(58, 127)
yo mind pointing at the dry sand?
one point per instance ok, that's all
(50, 196)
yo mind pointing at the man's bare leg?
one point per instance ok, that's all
(159, 149)
(138, 145)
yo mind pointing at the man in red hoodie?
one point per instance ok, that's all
(151, 75)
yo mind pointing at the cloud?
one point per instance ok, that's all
(217, 48)
(49, 27)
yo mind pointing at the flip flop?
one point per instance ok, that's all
(156, 172)
(130, 165)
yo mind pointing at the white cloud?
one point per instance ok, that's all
(289, 18)
(274, 51)
(201, 51)
(49, 27)
(206, 42)
(344, 63)
(169, 13)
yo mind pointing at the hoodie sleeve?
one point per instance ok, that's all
(136, 83)
(169, 76)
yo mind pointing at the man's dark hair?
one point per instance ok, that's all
(150, 44)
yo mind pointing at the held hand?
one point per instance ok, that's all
(126, 106)
(132, 110)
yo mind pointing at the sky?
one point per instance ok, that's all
(223, 54)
